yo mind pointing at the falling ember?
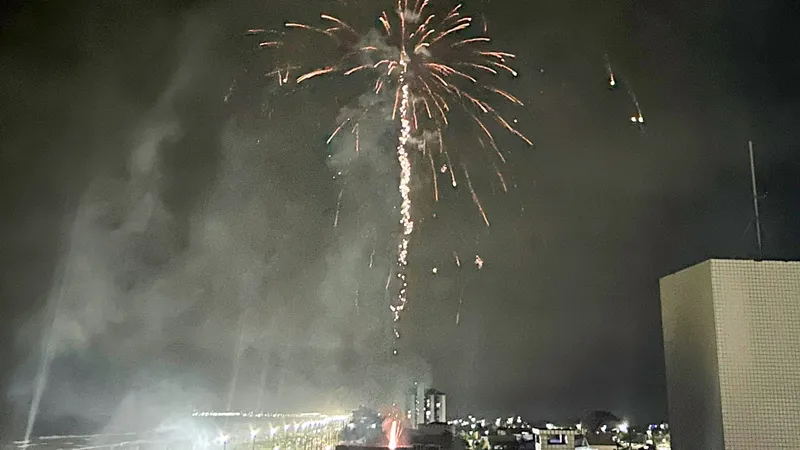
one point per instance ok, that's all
(458, 260)
(479, 262)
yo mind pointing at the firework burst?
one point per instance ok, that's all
(432, 65)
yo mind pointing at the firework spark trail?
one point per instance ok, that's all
(236, 361)
(357, 138)
(435, 178)
(501, 177)
(394, 433)
(315, 73)
(638, 118)
(460, 304)
(372, 257)
(405, 191)
(612, 81)
(338, 207)
(450, 167)
(475, 198)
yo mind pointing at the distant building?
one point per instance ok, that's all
(503, 442)
(732, 351)
(436, 428)
(435, 406)
(415, 404)
(436, 437)
(554, 438)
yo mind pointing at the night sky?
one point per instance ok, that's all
(169, 230)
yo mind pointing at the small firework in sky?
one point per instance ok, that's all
(613, 82)
(637, 118)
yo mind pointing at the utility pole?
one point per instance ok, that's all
(755, 201)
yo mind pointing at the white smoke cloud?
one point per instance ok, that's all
(172, 306)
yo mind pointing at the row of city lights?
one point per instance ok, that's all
(473, 423)
(257, 414)
(318, 424)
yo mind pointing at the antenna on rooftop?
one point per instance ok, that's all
(755, 201)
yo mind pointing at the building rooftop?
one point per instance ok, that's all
(555, 430)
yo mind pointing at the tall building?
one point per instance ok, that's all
(415, 404)
(435, 406)
(732, 353)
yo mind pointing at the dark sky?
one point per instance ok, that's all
(165, 228)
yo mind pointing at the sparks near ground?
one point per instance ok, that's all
(431, 68)
(393, 430)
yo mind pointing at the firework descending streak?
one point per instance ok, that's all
(433, 65)
(405, 192)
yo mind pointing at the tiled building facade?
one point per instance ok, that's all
(732, 351)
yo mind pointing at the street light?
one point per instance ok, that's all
(253, 434)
